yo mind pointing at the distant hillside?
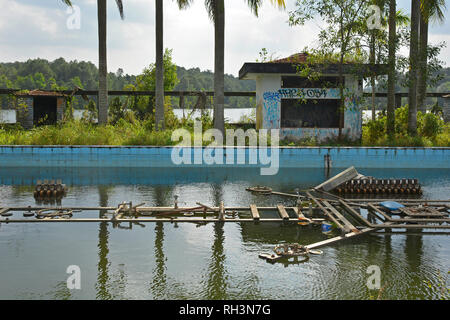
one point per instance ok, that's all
(62, 74)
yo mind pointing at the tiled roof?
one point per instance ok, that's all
(295, 58)
(39, 93)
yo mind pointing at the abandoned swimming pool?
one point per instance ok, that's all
(214, 261)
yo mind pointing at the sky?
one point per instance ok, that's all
(47, 29)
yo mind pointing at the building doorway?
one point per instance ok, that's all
(44, 111)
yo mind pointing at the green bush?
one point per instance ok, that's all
(431, 129)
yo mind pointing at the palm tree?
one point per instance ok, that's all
(216, 12)
(159, 72)
(428, 9)
(102, 60)
(390, 128)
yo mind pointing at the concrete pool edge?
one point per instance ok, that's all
(160, 156)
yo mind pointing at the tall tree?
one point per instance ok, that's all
(429, 9)
(102, 59)
(216, 12)
(159, 79)
(341, 35)
(392, 46)
(376, 39)
(413, 67)
(159, 83)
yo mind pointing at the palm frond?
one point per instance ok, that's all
(183, 4)
(254, 5)
(120, 7)
(401, 18)
(211, 8)
(433, 9)
(68, 2)
(280, 3)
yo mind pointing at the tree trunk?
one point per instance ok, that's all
(390, 127)
(372, 78)
(423, 56)
(102, 64)
(219, 47)
(413, 64)
(341, 94)
(159, 74)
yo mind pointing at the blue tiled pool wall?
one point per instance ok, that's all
(289, 157)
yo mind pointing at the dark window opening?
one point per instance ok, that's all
(44, 110)
(302, 82)
(323, 113)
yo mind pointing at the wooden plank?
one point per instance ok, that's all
(354, 213)
(207, 207)
(339, 238)
(338, 179)
(347, 224)
(301, 217)
(282, 212)
(221, 211)
(4, 210)
(325, 211)
(388, 218)
(254, 211)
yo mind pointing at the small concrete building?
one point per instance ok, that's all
(303, 108)
(34, 108)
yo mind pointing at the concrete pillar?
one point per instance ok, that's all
(446, 108)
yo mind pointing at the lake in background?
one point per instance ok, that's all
(232, 115)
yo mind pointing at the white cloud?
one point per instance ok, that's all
(30, 29)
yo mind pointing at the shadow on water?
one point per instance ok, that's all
(158, 286)
(102, 285)
(216, 284)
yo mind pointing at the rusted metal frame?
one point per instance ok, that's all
(388, 218)
(145, 220)
(326, 212)
(348, 225)
(355, 214)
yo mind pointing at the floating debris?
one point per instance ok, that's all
(380, 186)
(48, 190)
(288, 250)
(261, 190)
(350, 181)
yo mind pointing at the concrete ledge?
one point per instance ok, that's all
(289, 157)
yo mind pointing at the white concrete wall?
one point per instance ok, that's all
(268, 112)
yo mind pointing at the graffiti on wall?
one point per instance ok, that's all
(308, 93)
(271, 114)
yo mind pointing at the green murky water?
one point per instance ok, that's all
(214, 261)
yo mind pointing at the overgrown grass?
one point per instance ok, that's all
(433, 132)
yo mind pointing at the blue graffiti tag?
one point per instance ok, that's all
(272, 96)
